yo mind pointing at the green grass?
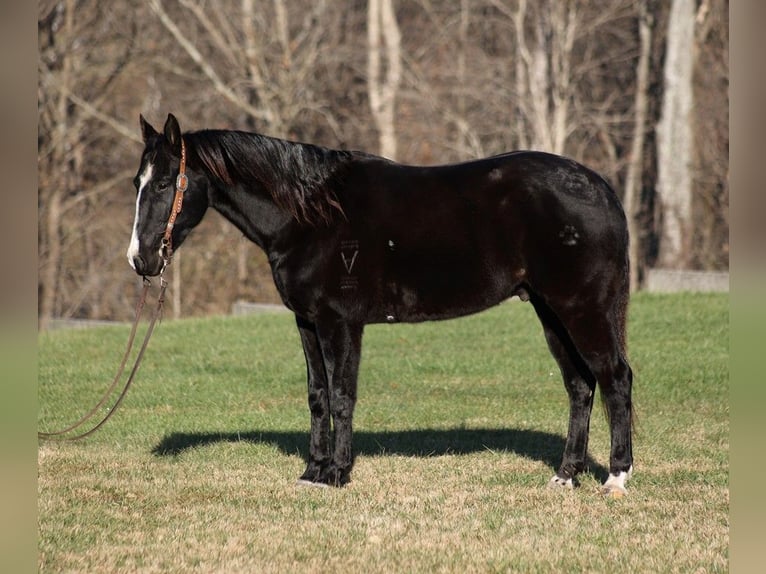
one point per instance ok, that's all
(459, 425)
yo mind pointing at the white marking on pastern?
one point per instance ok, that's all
(558, 482)
(615, 484)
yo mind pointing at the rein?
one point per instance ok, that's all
(166, 251)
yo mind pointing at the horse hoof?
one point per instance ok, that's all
(613, 491)
(561, 483)
(614, 487)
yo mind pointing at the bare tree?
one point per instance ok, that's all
(710, 209)
(675, 143)
(632, 199)
(73, 86)
(383, 84)
(558, 85)
(544, 71)
(52, 206)
(544, 55)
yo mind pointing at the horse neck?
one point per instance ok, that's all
(253, 212)
(268, 187)
(235, 186)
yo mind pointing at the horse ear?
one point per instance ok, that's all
(173, 132)
(147, 130)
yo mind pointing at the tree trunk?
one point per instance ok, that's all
(632, 201)
(49, 272)
(675, 138)
(49, 275)
(383, 87)
(543, 73)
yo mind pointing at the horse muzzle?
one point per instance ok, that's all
(144, 267)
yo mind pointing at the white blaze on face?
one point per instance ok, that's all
(142, 181)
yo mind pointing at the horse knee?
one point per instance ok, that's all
(318, 402)
(342, 406)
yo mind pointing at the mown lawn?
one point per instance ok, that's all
(459, 426)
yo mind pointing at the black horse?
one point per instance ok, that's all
(353, 239)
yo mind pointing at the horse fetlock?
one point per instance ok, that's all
(333, 475)
(325, 473)
(313, 470)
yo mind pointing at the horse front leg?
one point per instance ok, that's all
(341, 345)
(319, 403)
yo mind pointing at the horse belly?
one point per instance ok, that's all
(434, 288)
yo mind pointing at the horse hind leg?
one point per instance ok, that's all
(594, 339)
(580, 385)
(615, 381)
(617, 392)
(601, 346)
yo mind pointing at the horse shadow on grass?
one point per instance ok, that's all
(535, 445)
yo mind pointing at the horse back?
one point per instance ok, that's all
(439, 242)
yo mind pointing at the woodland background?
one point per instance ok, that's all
(636, 89)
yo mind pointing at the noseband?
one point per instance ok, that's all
(182, 183)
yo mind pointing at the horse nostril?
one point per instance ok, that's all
(139, 265)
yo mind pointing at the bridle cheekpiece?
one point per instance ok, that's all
(182, 183)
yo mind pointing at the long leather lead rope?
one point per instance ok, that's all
(167, 253)
(63, 433)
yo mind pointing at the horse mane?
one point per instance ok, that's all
(300, 177)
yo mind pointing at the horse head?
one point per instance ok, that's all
(155, 231)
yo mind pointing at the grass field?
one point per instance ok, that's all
(459, 426)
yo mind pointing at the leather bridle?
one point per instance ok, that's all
(182, 183)
(166, 251)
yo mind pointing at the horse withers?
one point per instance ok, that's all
(354, 239)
